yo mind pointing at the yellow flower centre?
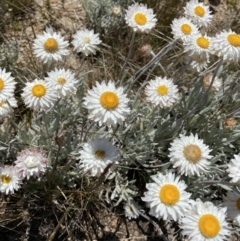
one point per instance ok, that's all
(192, 153)
(162, 90)
(38, 90)
(186, 29)
(238, 203)
(199, 11)
(99, 154)
(51, 45)
(2, 103)
(1, 84)
(6, 179)
(61, 80)
(140, 18)
(209, 225)
(109, 100)
(169, 194)
(203, 42)
(86, 40)
(234, 39)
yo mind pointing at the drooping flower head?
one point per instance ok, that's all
(162, 92)
(167, 197)
(227, 45)
(50, 46)
(6, 106)
(96, 155)
(190, 155)
(216, 85)
(205, 222)
(232, 202)
(86, 41)
(64, 82)
(198, 13)
(7, 85)
(31, 162)
(140, 18)
(183, 28)
(9, 179)
(39, 95)
(107, 104)
(132, 209)
(234, 169)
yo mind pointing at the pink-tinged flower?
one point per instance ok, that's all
(31, 162)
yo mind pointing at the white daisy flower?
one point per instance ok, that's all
(107, 104)
(141, 18)
(132, 209)
(216, 85)
(7, 84)
(9, 179)
(199, 64)
(167, 197)
(232, 202)
(227, 45)
(198, 46)
(50, 46)
(183, 28)
(190, 155)
(39, 94)
(64, 82)
(31, 162)
(97, 155)
(198, 13)
(162, 92)
(234, 169)
(6, 106)
(205, 222)
(86, 42)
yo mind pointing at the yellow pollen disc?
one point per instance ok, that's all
(2, 103)
(169, 194)
(38, 90)
(109, 100)
(202, 42)
(238, 204)
(192, 153)
(61, 80)
(209, 225)
(162, 90)
(6, 179)
(140, 18)
(51, 45)
(186, 29)
(1, 84)
(234, 39)
(86, 40)
(199, 11)
(99, 154)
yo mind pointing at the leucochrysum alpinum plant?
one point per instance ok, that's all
(158, 139)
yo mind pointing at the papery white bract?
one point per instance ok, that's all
(167, 197)
(190, 155)
(162, 92)
(7, 105)
(140, 18)
(31, 162)
(107, 104)
(205, 222)
(234, 169)
(50, 46)
(132, 209)
(39, 95)
(198, 13)
(64, 82)
(7, 85)
(97, 155)
(86, 41)
(9, 179)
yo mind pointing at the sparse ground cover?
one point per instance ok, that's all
(128, 130)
